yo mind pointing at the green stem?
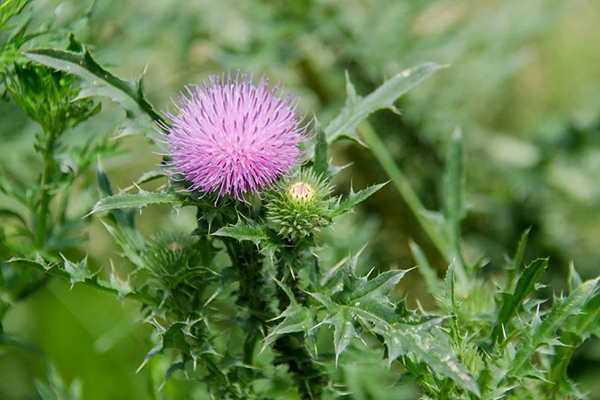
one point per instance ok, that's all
(293, 352)
(387, 162)
(42, 217)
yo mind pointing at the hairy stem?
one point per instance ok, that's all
(42, 217)
(291, 347)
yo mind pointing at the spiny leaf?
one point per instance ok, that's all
(517, 261)
(541, 333)
(358, 108)
(449, 290)
(295, 319)
(587, 322)
(510, 303)
(350, 300)
(343, 330)
(430, 347)
(99, 82)
(252, 231)
(81, 276)
(136, 201)
(120, 223)
(354, 198)
(78, 271)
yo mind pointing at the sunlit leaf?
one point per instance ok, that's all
(353, 199)
(136, 200)
(358, 108)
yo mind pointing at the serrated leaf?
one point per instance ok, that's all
(350, 300)
(296, 318)
(358, 108)
(587, 322)
(517, 261)
(430, 348)
(78, 271)
(254, 232)
(99, 82)
(545, 331)
(343, 330)
(83, 276)
(512, 302)
(138, 200)
(449, 290)
(354, 198)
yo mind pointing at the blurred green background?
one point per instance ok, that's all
(524, 85)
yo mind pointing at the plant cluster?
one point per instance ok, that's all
(243, 306)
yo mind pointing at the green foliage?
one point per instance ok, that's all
(241, 231)
(98, 81)
(50, 97)
(511, 303)
(358, 108)
(136, 201)
(347, 204)
(245, 306)
(56, 388)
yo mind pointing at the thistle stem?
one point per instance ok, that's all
(42, 217)
(291, 347)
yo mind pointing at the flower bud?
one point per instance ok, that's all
(170, 255)
(300, 207)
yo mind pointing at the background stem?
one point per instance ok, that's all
(387, 162)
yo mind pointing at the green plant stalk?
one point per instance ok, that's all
(42, 218)
(248, 268)
(386, 161)
(297, 358)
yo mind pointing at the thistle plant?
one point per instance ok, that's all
(243, 306)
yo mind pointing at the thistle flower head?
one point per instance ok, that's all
(231, 137)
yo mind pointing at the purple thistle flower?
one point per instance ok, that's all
(232, 138)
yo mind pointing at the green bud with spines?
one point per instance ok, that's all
(171, 255)
(301, 205)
